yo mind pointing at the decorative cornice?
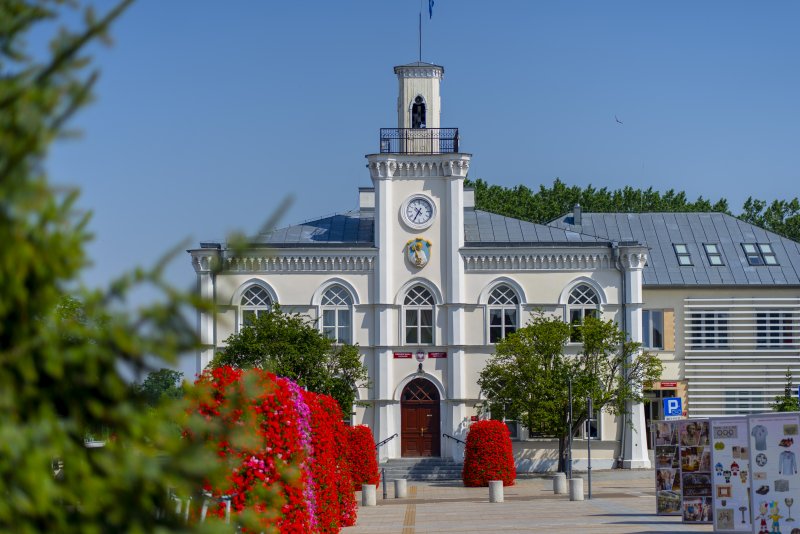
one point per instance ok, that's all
(434, 71)
(300, 263)
(633, 258)
(203, 260)
(567, 261)
(383, 167)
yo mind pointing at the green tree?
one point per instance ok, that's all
(548, 203)
(61, 348)
(788, 402)
(163, 384)
(290, 345)
(528, 377)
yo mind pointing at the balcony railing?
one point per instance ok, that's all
(419, 140)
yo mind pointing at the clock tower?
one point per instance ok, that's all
(418, 178)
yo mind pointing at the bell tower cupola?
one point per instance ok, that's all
(418, 102)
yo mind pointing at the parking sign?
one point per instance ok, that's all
(673, 408)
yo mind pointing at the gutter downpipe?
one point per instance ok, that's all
(618, 266)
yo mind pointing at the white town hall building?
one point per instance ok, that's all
(425, 284)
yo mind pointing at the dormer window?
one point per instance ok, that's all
(418, 113)
(682, 252)
(713, 254)
(759, 254)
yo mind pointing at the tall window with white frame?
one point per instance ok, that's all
(337, 313)
(418, 307)
(653, 329)
(255, 300)
(583, 302)
(503, 305)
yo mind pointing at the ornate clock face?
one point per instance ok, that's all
(418, 211)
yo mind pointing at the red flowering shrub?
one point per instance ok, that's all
(330, 471)
(288, 451)
(488, 455)
(361, 452)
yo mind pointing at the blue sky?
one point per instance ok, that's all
(208, 114)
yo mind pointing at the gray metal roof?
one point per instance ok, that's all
(660, 231)
(348, 229)
(482, 229)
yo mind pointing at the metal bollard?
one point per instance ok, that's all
(576, 489)
(495, 491)
(368, 497)
(560, 483)
(400, 489)
(383, 477)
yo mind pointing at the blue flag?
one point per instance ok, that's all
(430, 9)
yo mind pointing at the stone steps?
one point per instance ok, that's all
(422, 469)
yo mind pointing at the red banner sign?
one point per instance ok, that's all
(437, 355)
(403, 355)
(669, 384)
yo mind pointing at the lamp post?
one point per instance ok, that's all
(589, 446)
(569, 428)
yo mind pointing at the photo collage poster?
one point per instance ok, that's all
(668, 468)
(775, 485)
(695, 461)
(730, 456)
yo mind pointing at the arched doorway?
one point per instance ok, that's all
(419, 416)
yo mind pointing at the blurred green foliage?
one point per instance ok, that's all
(61, 347)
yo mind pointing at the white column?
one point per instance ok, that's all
(382, 336)
(634, 455)
(454, 297)
(202, 261)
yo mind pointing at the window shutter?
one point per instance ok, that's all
(669, 330)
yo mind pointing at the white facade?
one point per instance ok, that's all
(444, 301)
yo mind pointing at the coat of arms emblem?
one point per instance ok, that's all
(418, 252)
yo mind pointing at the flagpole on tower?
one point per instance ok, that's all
(420, 31)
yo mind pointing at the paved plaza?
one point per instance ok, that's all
(622, 502)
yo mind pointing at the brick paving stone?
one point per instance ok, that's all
(623, 503)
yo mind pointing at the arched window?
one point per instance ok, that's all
(419, 316)
(418, 119)
(255, 300)
(583, 302)
(503, 305)
(337, 305)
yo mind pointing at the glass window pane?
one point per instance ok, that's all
(411, 334)
(510, 329)
(711, 249)
(657, 320)
(426, 334)
(248, 317)
(749, 248)
(411, 318)
(646, 328)
(575, 316)
(680, 249)
(344, 334)
(426, 317)
(344, 317)
(770, 260)
(328, 318)
(684, 260)
(495, 317)
(511, 317)
(765, 248)
(329, 332)
(590, 313)
(715, 260)
(495, 334)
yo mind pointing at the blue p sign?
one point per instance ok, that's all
(672, 407)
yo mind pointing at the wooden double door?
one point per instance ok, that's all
(419, 415)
